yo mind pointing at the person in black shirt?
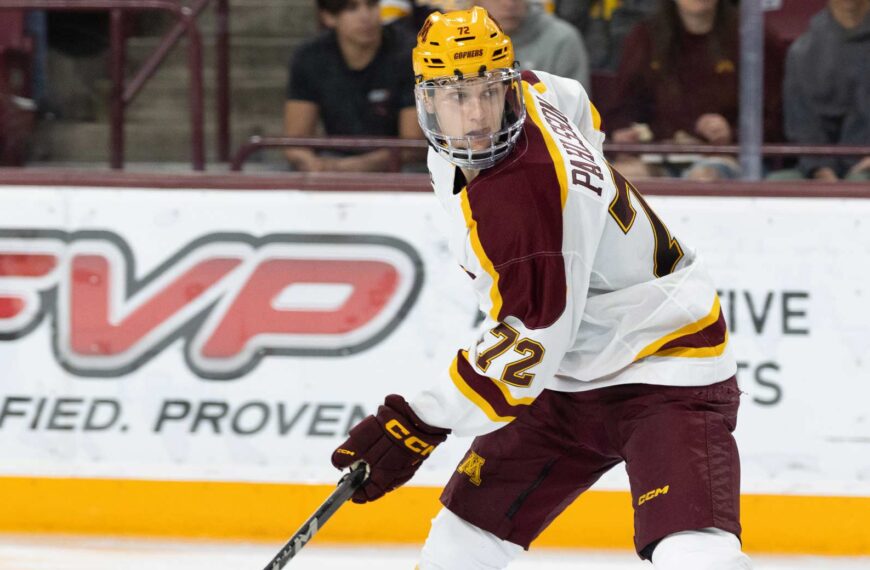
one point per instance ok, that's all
(356, 80)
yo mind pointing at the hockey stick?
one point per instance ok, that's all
(349, 483)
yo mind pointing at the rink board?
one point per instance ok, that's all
(168, 371)
(792, 524)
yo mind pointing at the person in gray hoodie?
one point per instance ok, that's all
(541, 41)
(826, 92)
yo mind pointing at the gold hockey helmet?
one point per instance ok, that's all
(462, 43)
(468, 88)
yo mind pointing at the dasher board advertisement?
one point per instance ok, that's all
(200, 335)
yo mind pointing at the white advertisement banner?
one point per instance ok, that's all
(236, 336)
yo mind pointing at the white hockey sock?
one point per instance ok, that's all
(704, 549)
(454, 544)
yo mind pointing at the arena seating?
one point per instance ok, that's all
(16, 117)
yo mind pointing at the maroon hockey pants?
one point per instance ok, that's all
(676, 442)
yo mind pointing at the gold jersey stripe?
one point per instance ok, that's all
(555, 154)
(485, 262)
(476, 398)
(691, 328)
(596, 116)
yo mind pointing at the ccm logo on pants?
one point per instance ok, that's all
(652, 495)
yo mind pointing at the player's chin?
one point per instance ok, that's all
(477, 143)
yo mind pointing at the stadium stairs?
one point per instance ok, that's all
(263, 34)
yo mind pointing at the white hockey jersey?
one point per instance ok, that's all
(582, 284)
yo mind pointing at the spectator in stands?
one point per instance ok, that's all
(827, 88)
(356, 79)
(541, 41)
(678, 81)
(604, 24)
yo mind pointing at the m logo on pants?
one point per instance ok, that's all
(472, 466)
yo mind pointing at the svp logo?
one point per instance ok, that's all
(232, 298)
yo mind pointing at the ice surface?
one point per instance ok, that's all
(27, 552)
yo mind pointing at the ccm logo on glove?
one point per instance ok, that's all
(412, 442)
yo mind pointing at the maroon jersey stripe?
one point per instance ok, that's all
(530, 77)
(518, 210)
(712, 335)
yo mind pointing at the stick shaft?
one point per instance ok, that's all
(346, 487)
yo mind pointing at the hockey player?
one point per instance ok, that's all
(604, 340)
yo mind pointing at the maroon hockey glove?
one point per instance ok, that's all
(394, 442)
